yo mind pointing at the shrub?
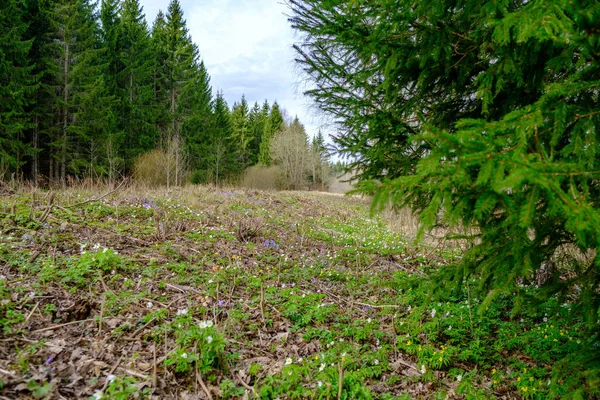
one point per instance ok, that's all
(261, 177)
(151, 168)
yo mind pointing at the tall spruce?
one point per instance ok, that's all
(41, 102)
(257, 121)
(240, 119)
(111, 43)
(274, 124)
(83, 102)
(221, 157)
(197, 117)
(160, 93)
(138, 116)
(179, 63)
(480, 114)
(16, 83)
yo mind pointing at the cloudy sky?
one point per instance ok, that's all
(246, 47)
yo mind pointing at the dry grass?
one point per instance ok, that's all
(406, 223)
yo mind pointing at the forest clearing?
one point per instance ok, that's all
(200, 293)
(466, 266)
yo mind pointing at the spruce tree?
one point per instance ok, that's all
(221, 157)
(111, 43)
(197, 118)
(15, 84)
(240, 119)
(41, 100)
(160, 85)
(138, 117)
(274, 124)
(319, 160)
(181, 57)
(84, 104)
(257, 122)
(477, 114)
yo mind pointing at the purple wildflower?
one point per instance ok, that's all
(270, 243)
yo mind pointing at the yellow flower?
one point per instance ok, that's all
(441, 359)
(524, 370)
(519, 379)
(524, 388)
(408, 343)
(493, 371)
(495, 382)
(531, 379)
(420, 348)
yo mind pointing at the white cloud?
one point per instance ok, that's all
(246, 46)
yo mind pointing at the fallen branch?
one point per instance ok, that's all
(201, 382)
(31, 313)
(61, 325)
(247, 386)
(6, 372)
(101, 197)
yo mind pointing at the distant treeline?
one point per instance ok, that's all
(86, 89)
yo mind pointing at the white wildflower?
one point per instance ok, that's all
(202, 324)
(376, 362)
(182, 311)
(459, 378)
(209, 339)
(433, 313)
(184, 355)
(209, 324)
(97, 395)
(319, 384)
(322, 367)
(111, 378)
(423, 369)
(149, 304)
(288, 361)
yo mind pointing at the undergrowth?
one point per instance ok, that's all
(271, 295)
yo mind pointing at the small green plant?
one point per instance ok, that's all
(200, 346)
(39, 390)
(229, 390)
(80, 271)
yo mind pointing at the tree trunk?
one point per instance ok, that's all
(35, 167)
(63, 166)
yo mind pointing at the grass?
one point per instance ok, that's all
(227, 293)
